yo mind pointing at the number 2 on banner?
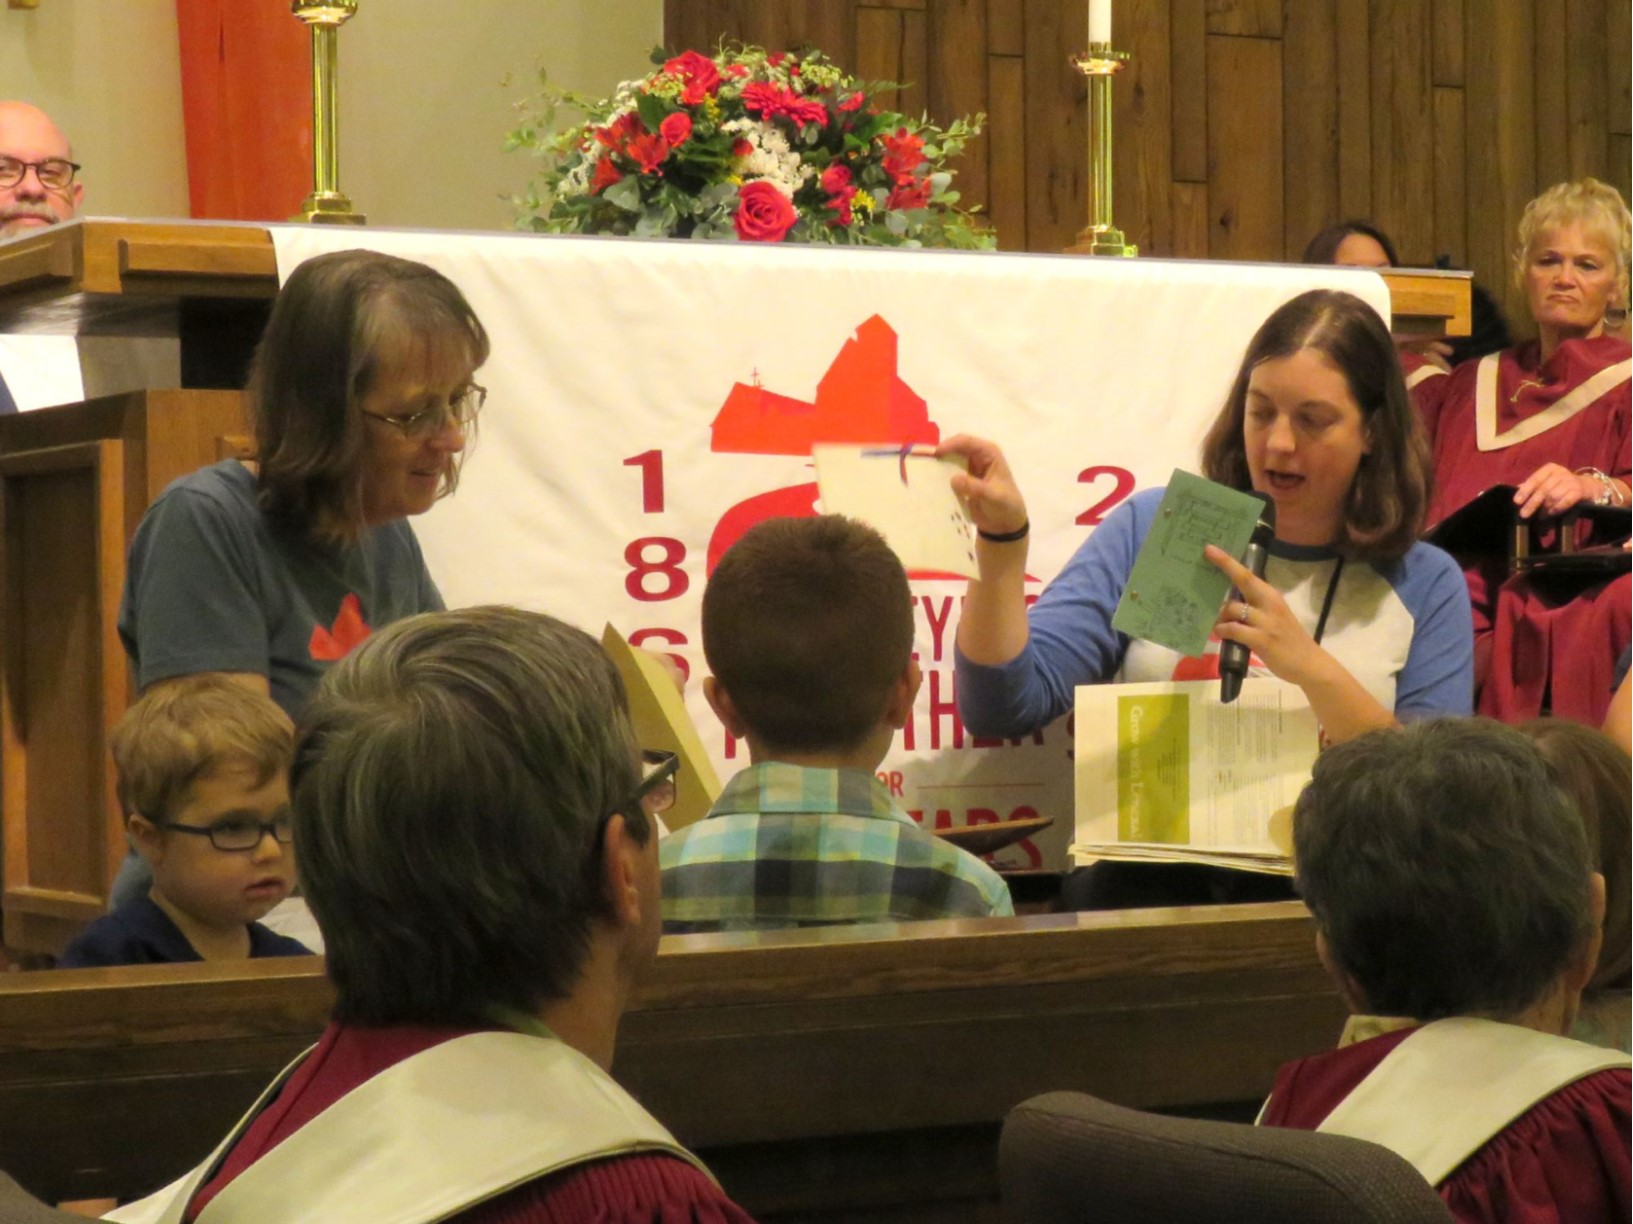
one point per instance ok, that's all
(1124, 486)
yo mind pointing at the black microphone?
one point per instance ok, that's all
(1233, 656)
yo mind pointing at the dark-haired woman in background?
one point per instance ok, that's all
(361, 394)
(1371, 624)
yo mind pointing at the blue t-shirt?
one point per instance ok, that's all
(1403, 629)
(212, 585)
(140, 933)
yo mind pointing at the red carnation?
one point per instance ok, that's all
(676, 129)
(852, 102)
(648, 151)
(915, 193)
(697, 74)
(764, 214)
(840, 203)
(606, 174)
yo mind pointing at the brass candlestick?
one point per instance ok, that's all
(1100, 236)
(327, 203)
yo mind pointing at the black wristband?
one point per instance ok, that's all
(1006, 537)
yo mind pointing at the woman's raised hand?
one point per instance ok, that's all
(1260, 620)
(990, 491)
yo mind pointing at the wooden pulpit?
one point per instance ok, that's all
(74, 483)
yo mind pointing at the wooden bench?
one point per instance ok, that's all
(836, 1074)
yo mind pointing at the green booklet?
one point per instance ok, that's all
(1174, 595)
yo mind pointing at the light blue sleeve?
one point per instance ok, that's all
(1438, 677)
(1070, 642)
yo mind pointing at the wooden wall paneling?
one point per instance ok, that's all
(825, 25)
(1006, 27)
(1549, 75)
(1619, 96)
(1244, 148)
(1250, 18)
(957, 85)
(1189, 79)
(1006, 150)
(1057, 114)
(1310, 103)
(1500, 138)
(1621, 155)
(1446, 54)
(1354, 109)
(1585, 29)
(1402, 140)
(915, 78)
(1190, 220)
(1143, 127)
(905, 5)
(879, 50)
(1451, 196)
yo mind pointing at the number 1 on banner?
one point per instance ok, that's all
(651, 465)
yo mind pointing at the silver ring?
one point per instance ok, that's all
(1247, 612)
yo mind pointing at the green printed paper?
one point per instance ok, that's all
(1154, 768)
(1174, 594)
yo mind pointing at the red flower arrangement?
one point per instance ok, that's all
(747, 145)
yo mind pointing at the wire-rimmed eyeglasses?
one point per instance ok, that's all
(236, 834)
(460, 409)
(54, 173)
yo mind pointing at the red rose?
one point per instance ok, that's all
(915, 193)
(741, 147)
(606, 174)
(764, 214)
(698, 76)
(835, 178)
(676, 129)
(648, 151)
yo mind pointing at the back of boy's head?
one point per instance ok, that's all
(807, 624)
(183, 729)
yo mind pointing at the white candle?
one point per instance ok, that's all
(1099, 21)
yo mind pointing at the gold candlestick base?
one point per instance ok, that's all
(329, 208)
(1100, 237)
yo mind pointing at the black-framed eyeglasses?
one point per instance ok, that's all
(54, 173)
(461, 409)
(237, 834)
(656, 793)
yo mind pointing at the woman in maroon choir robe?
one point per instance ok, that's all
(1550, 416)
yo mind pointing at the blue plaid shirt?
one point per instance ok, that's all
(789, 846)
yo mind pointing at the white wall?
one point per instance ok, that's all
(424, 106)
(108, 71)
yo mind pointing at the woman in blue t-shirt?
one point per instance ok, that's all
(1373, 625)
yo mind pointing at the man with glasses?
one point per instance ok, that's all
(478, 847)
(39, 186)
(38, 183)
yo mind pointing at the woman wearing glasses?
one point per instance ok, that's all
(362, 396)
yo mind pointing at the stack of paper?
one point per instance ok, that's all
(1167, 773)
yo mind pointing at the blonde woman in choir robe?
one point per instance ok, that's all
(1550, 416)
(482, 858)
(1458, 910)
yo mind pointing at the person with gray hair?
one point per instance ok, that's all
(1459, 913)
(483, 865)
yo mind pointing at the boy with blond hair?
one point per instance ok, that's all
(808, 629)
(203, 768)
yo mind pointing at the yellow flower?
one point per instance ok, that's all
(736, 180)
(863, 202)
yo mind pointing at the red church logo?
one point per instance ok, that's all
(860, 400)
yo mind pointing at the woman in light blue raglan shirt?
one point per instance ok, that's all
(1371, 623)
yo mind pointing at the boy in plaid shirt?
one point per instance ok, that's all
(808, 629)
